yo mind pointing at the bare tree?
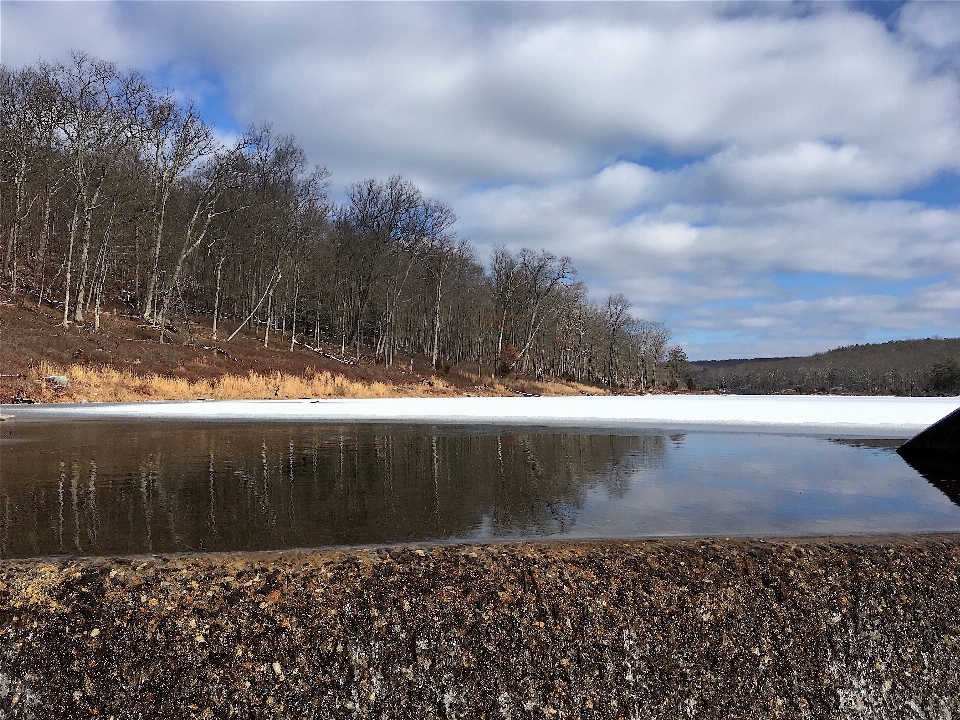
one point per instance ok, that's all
(650, 339)
(617, 317)
(125, 184)
(28, 117)
(507, 281)
(210, 185)
(279, 204)
(676, 365)
(171, 138)
(542, 274)
(442, 249)
(93, 137)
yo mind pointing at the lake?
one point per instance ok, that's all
(131, 487)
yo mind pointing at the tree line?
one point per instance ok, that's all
(116, 193)
(901, 367)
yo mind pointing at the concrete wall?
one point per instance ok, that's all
(856, 627)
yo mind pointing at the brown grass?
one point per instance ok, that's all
(124, 361)
(109, 385)
(551, 388)
(105, 384)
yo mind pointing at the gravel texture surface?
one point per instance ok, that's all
(820, 628)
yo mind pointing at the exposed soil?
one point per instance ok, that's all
(32, 340)
(842, 628)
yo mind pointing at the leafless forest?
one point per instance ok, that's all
(901, 367)
(118, 197)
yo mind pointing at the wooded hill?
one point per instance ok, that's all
(115, 194)
(902, 367)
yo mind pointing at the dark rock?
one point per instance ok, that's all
(935, 454)
(942, 439)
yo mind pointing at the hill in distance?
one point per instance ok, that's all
(899, 367)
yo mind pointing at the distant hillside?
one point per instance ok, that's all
(900, 367)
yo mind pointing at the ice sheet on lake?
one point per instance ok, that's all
(850, 416)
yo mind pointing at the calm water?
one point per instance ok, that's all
(106, 488)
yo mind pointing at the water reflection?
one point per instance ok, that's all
(103, 488)
(92, 488)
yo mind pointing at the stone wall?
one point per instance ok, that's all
(828, 628)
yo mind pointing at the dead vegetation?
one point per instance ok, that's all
(40, 361)
(105, 384)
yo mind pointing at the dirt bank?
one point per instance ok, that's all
(856, 627)
(124, 360)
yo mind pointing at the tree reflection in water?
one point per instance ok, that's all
(106, 488)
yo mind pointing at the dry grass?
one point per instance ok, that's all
(553, 388)
(124, 361)
(105, 384)
(109, 385)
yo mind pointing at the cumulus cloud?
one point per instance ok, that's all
(883, 239)
(934, 26)
(776, 106)
(825, 102)
(689, 155)
(722, 267)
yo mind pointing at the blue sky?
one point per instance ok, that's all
(769, 179)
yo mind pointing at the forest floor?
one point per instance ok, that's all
(125, 361)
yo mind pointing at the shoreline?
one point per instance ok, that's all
(815, 626)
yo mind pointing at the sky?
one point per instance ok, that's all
(766, 179)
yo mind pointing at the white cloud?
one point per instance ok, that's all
(680, 260)
(882, 239)
(933, 25)
(797, 106)
(32, 31)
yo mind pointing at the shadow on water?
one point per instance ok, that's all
(943, 474)
(935, 454)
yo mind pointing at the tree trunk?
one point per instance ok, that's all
(10, 260)
(44, 240)
(479, 346)
(14, 238)
(73, 236)
(153, 278)
(266, 329)
(296, 296)
(98, 266)
(216, 298)
(85, 249)
(191, 241)
(99, 290)
(496, 360)
(268, 291)
(436, 324)
(343, 329)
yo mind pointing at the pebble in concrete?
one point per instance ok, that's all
(861, 627)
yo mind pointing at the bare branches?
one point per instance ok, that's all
(526, 287)
(171, 139)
